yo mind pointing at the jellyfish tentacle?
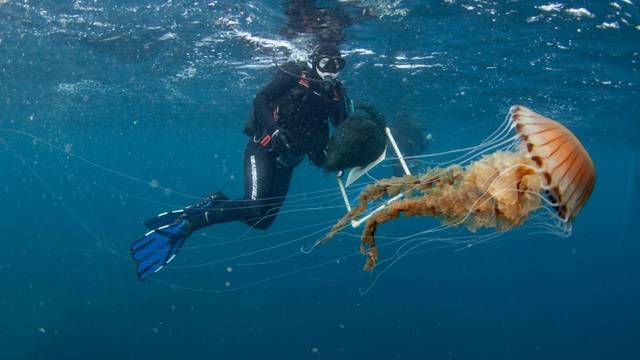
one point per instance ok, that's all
(409, 206)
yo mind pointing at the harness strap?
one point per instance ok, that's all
(304, 81)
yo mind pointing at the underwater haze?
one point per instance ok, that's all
(114, 111)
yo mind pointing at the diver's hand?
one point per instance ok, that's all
(281, 141)
(318, 158)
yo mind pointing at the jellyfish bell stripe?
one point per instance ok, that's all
(566, 166)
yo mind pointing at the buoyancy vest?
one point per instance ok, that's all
(304, 111)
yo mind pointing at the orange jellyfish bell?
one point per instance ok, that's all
(566, 166)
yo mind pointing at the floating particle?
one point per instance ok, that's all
(315, 350)
(229, 269)
(168, 36)
(68, 148)
(154, 183)
(580, 12)
(227, 284)
(42, 330)
(534, 18)
(551, 7)
(606, 25)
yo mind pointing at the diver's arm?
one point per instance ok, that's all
(286, 78)
(318, 149)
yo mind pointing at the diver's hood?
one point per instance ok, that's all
(327, 61)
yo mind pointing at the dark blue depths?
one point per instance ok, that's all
(103, 105)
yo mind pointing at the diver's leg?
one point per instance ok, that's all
(169, 217)
(259, 174)
(266, 186)
(266, 183)
(217, 208)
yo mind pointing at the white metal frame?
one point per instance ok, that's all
(356, 173)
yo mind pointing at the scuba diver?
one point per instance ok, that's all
(290, 120)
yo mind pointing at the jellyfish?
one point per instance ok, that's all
(543, 165)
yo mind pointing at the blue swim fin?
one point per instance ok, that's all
(159, 246)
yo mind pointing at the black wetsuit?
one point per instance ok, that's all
(298, 102)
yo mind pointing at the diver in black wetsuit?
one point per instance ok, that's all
(290, 119)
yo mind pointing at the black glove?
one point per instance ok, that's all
(318, 158)
(280, 140)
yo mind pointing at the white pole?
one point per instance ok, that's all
(396, 149)
(343, 191)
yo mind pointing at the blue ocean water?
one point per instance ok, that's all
(113, 111)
